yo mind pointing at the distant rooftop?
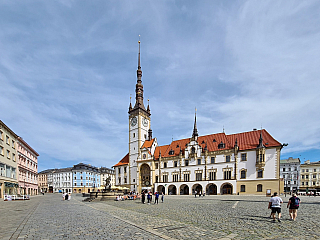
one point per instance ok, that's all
(290, 160)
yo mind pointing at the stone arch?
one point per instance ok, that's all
(161, 189)
(184, 189)
(145, 175)
(172, 190)
(226, 188)
(211, 189)
(196, 187)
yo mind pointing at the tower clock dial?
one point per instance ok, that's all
(134, 121)
(145, 122)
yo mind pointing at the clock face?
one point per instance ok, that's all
(145, 122)
(134, 121)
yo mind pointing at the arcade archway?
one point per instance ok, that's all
(211, 189)
(196, 187)
(184, 189)
(172, 190)
(226, 188)
(161, 189)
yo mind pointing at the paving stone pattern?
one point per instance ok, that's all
(179, 217)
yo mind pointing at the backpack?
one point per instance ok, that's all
(296, 202)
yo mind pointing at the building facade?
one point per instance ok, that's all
(106, 174)
(27, 168)
(243, 163)
(289, 171)
(8, 161)
(62, 180)
(86, 178)
(310, 176)
(43, 181)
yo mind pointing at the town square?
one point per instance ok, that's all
(159, 119)
(178, 217)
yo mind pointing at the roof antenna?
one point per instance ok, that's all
(223, 129)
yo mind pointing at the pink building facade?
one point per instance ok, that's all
(27, 168)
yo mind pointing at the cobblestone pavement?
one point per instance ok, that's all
(179, 217)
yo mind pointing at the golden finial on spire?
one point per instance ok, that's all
(139, 39)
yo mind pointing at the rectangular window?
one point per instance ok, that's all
(212, 160)
(175, 177)
(157, 179)
(302, 176)
(302, 183)
(186, 177)
(119, 180)
(260, 174)
(119, 170)
(199, 161)
(1, 151)
(186, 162)
(165, 178)
(75, 184)
(307, 176)
(259, 188)
(125, 170)
(284, 169)
(8, 154)
(243, 174)
(228, 158)
(164, 165)
(125, 180)
(243, 157)
(212, 176)
(13, 157)
(314, 175)
(175, 163)
(7, 140)
(314, 183)
(134, 135)
(1, 135)
(227, 174)
(198, 176)
(307, 170)
(157, 166)
(307, 183)
(314, 170)
(242, 188)
(13, 144)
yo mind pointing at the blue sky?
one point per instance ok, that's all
(67, 69)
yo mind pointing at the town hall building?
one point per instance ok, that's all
(240, 163)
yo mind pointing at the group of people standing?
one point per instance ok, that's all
(149, 197)
(275, 206)
(199, 193)
(66, 196)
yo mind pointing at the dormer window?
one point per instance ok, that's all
(171, 152)
(203, 142)
(178, 145)
(193, 150)
(214, 140)
(221, 145)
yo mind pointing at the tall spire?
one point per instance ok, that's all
(195, 130)
(139, 87)
(261, 140)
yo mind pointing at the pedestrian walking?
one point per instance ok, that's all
(199, 193)
(271, 211)
(195, 193)
(156, 198)
(143, 197)
(149, 198)
(66, 196)
(275, 205)
(293, 206)
(203, 194)
(162, 197)
(69, 197)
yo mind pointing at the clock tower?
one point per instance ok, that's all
(139, 124)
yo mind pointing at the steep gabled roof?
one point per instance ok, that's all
(147, 143)
(123, 161)
(163, 149)
(250, 140)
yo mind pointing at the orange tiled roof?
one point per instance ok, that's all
(246, 141)
(147, 143)
(123, 161)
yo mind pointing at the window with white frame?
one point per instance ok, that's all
(175, 177)
(186, 176)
